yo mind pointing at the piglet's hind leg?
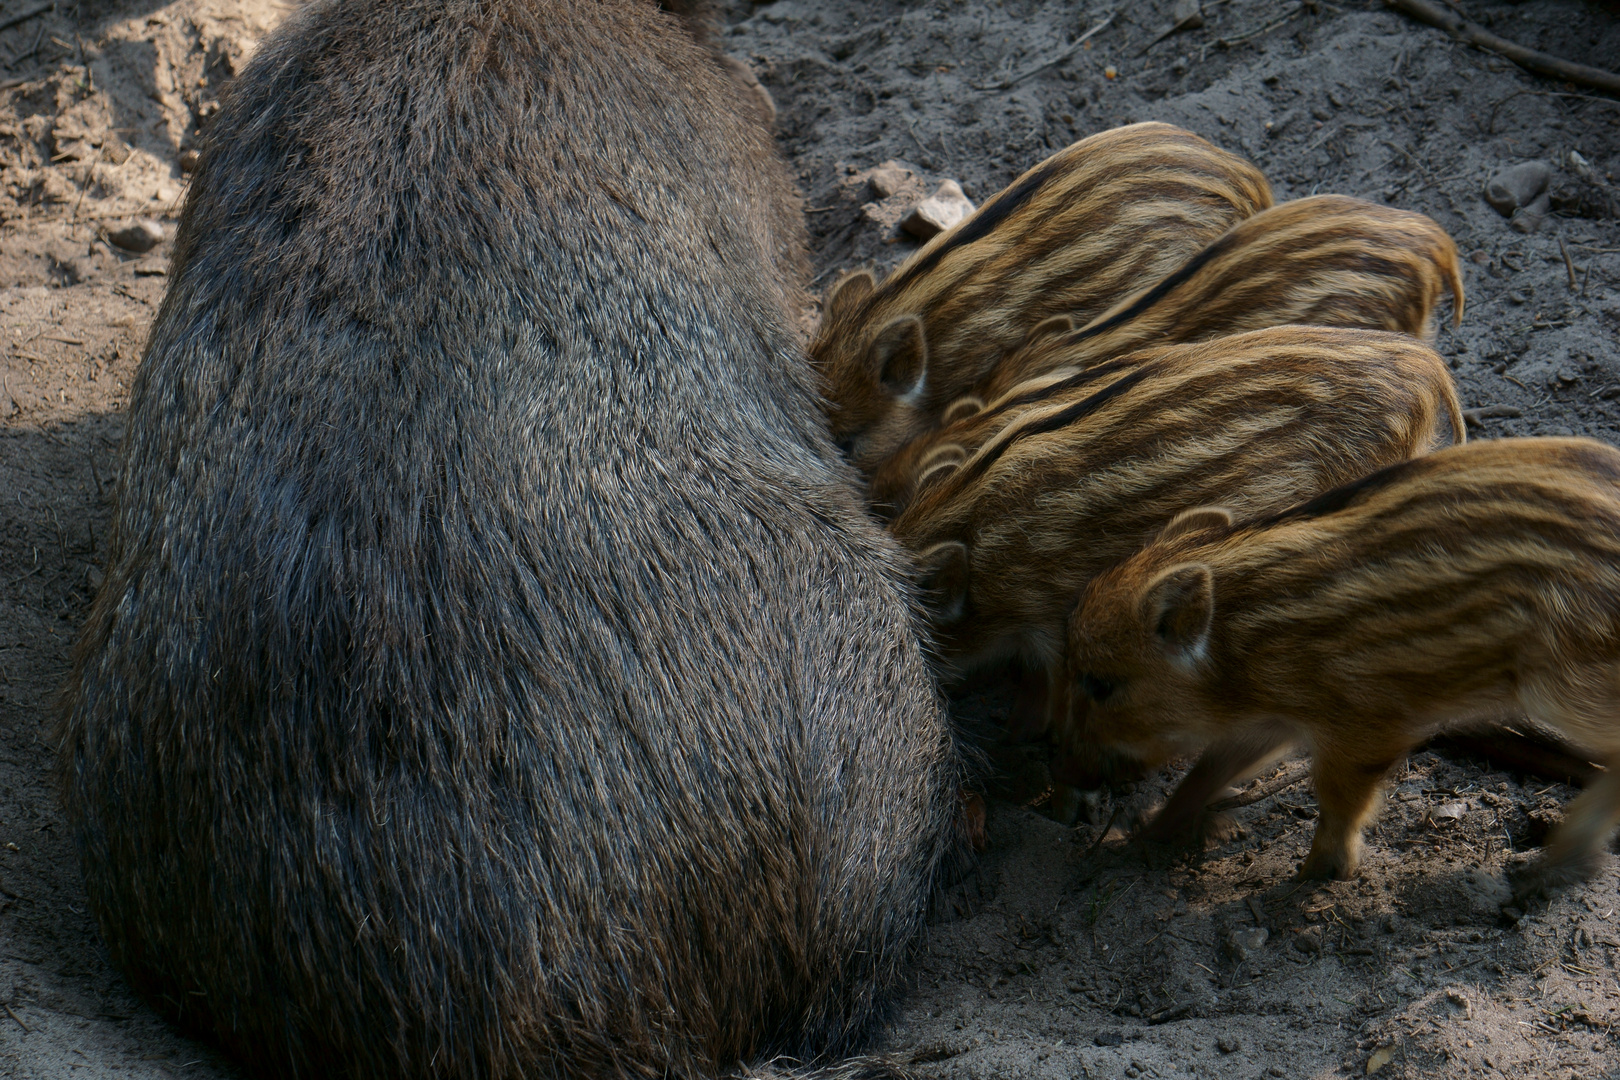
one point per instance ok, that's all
(1575, 850)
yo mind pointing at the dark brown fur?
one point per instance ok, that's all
(1070, 237)
(1480, 580)
(496, 674)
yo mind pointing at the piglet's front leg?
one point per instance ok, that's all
(1184, 818)
(1347, 784)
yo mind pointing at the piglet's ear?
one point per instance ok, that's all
(1198, 519)
(1057, 324)
(898, 356)
(846, 295)
(943, 575)
(1180, 606)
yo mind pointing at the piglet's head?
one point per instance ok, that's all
(874, 373)
(1138, 649)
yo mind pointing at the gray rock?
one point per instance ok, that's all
(1527, 219)
(139, 237)
(1517, 186)
(1451, 811)
(888, 178)
(940, 211)
(1247, 942)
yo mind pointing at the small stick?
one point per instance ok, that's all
(90, 182)
(1530, 59)
(1568, 266)
(34, 51)
(18, 20)
(1271, 787)
(17, 1018)
(1227, 43)
(1058, 59)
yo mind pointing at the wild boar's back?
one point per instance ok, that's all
(495, 673)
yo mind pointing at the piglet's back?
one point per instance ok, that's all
(1485, 542)
(1082, 471)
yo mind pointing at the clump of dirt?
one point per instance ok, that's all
(1067, 952)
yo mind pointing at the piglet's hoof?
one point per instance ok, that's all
(1328, 866)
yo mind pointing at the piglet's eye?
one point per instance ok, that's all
(1096, 688)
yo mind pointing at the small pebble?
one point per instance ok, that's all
(139, 237)
(887, 178)
(1451, 811)
(1247, 942)
(940, 211)
(1110, 1038)
(1517, 186)
(190, 161)
(1227, 1044)
(1527, 219)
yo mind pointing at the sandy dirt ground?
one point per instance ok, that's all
(1066, 953)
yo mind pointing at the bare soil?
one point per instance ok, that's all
(1067, 952)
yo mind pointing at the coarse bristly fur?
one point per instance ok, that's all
(1069, 238)
(1327, 260)
(1474, 581)
(496, 674)
(1082, 471)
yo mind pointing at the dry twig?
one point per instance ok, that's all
(1008, 84)
(1530, 59)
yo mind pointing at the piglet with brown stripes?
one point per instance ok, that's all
(1475, 581)
(1078, 232)
(1327, 260)
(1053, 485)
